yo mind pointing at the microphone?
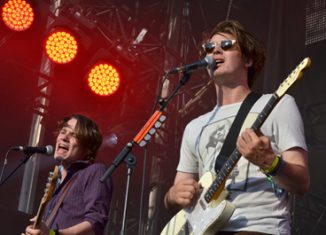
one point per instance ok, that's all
(48, 150)
(207, 62)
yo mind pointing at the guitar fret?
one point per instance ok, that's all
(265, 112)
(222, 172)
(228, 167)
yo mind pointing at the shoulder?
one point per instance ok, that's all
(98, 165)
(286, 100)
(287, 104)
(201, 119)
(94, 169)
(93, 173)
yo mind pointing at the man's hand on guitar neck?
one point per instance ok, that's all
(30, 230)
(183, 193)
(256, 148)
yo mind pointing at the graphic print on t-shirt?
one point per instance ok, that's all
(210, 144)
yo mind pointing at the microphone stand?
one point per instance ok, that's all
(139, 139)
(27, 156)
(130, 162)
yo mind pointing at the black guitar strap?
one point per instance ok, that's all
(231, 138)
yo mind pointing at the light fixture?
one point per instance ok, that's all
(18, 15)
(61, 46)
(103, 79)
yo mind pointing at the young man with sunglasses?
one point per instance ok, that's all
(274, 162)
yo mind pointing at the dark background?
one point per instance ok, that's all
(290, 30)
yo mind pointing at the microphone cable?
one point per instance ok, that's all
(4, 165)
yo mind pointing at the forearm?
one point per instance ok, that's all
(293, 174)
(293, 178)
(290, 171)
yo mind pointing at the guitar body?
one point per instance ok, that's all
(203, 218)
(177, 225)
(208, 218)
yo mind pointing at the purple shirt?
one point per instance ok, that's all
(86, 200)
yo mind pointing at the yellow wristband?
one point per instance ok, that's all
(273, 167)
(53, 232)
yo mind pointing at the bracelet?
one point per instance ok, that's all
(275, 167)
(53, 232)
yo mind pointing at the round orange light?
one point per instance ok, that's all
(104, 79)
(17, 15)
(61, 47)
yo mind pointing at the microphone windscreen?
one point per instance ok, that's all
(49, 150)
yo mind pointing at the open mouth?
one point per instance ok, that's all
(217, 63)
(63, 147)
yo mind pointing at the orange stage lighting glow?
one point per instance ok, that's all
(17, 15)
(103, 79)
(61, 47)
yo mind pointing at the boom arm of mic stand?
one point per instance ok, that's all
(27, 156)
(127, 149)
(122, 155)
(182, 82)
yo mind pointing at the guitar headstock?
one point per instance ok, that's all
(50, 185)
(295, 75)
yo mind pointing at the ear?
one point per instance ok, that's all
(248, 63)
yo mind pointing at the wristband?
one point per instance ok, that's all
(53, 232)
(275, 167)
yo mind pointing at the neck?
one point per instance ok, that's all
(231, 87)
(65, 168)
(231, 95)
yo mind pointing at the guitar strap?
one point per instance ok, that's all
(230, 140)
(55, 209)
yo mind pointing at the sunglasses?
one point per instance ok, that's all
(224, 44)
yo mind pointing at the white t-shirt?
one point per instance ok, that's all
(258, 207)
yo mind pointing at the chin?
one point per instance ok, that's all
(58, 157)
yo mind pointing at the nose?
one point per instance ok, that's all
(64, 137)
(216, 51)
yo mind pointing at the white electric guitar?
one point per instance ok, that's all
(211, 211)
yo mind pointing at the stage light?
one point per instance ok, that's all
(61, 47)
(18, 15)
(103, 79)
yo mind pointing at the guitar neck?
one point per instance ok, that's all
(235, 156)
(38, 219)
(50, 186)
(265, 113)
